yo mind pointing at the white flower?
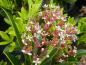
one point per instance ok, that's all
(37, 26)
(62, 36)
(29, 53)
(60, 60)
(68, 35)
(24, 42)
(35, 34)
(42, 49)
(48, 23)
(23, 51)
(75, 51)
(23, 35)
(63, 19)
(39, 31)
(26, 52)
(58, 27)
(29, 37)
(54, 15)
(37, 61)
(63, 41)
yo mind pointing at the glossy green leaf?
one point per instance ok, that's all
(71, 21)
(23, 14)
(7, 21)
(10, 47)
(4, 35)
(34, 8)
(82, 25)
(10, 31)
(20, 25)
(10, 17)
(4, 42)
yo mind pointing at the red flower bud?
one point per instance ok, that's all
(63, 45)
(71, 53)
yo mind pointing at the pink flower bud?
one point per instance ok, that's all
(47, 26)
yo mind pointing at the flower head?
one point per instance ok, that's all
(53, 31)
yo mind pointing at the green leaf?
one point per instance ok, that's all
(10, 17)
(3, 63)
(71, 20)
(82, 25)
(10, 47)
(38, 1)
(82, 38)
(52, 52)
(7, 21)
(20, 25)
(10, 31)
(73, 59)
(30, 2)
(4, 35)
(34, 8)
(28, 60)
(6, 4)
(23, 14)
(81, 52)
(12, 59)
(4, 42)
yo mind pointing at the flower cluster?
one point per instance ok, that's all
(53, 14)
(52, 29)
